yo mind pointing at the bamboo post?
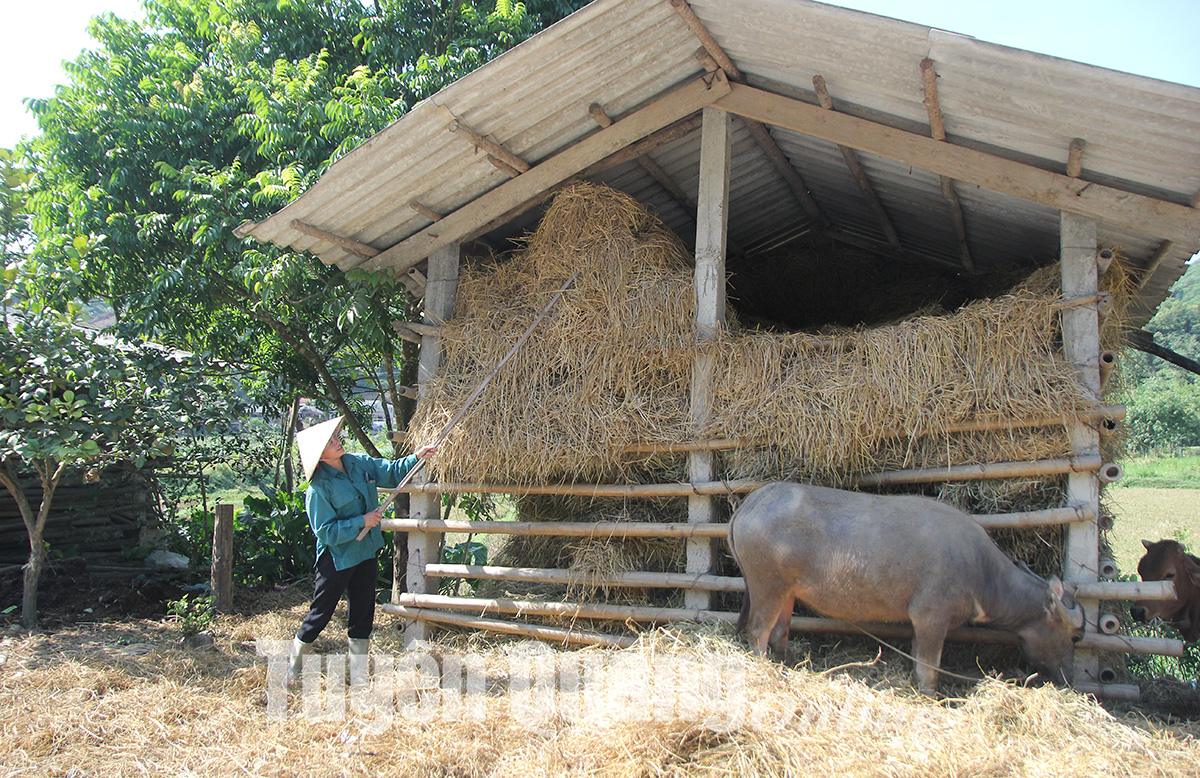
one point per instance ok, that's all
(1081, 347)
(425, 547)
(221, 575)
(712, 219)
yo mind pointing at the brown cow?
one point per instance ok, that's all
(863, 557)
(1168, 560)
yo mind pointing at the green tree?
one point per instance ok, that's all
(68, 400)
(174, 130)
(1164, 400)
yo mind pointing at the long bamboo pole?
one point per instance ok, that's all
(705, 581)
(597, 529)
(471, 399)
(637, 529)
(1126, 590)
(553, 634)
(1077, 464)
(1102, 413)
(807, 624)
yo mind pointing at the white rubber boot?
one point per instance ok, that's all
(300, 649)
(360, 648)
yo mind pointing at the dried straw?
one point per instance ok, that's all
(675, 704)
(610, 367)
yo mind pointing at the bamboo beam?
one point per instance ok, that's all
(424, 210)
(665, 110)
(1075, 157)
(404, 333)
(715, 488)
(1142, 214)
(707, 489)
(1099, 414)
(1042, 518)
(706, 39)
(859, 172)
(551, 634)
(590, 529)
(1126, 590)
(937, 130)
(636, 579)
(631, 529)
(496, 150)
(1121, 692)
(1075, 464)
(601, 117)
(805, 624)
(349, 244)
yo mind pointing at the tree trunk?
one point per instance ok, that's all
(50, 472)
(33, 574)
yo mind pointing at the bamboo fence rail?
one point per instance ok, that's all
(813, 624)
(632, 529)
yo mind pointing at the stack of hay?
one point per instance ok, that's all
(610, 366)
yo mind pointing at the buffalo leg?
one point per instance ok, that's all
(768, 611)
(929, 635)
(780, 631)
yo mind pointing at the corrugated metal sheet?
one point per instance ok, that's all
(1143, 135)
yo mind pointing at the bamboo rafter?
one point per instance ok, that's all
(937, 128)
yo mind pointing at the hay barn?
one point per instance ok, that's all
(769, 240)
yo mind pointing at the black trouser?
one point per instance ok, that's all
(358, 583)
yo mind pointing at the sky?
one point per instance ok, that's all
(1156, 38)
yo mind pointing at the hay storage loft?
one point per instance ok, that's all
(796, 242)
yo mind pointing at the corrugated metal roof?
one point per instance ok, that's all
(1143, 135)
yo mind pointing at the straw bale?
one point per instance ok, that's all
(610, 367)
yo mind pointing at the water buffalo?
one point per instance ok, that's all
(863, 557)
(1167, 560)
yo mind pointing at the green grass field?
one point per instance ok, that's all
(1159, 497)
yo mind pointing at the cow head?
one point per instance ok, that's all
(1166, 560)
(1049, 639)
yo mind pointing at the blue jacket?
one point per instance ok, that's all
(337, 502)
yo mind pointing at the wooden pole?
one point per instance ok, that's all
(712, 223)
(221, 576)
(1081, 347)
(425, 547)
(552, 634)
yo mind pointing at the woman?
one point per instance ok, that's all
(341, 500)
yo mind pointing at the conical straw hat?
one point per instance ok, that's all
(312, 441)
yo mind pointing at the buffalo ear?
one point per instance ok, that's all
(1147, 544)
(1056, 606)
(1191, 568)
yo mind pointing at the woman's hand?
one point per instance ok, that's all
(373, 518)
(424, 452)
